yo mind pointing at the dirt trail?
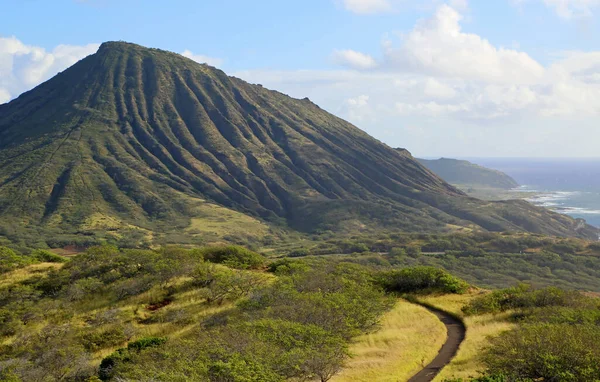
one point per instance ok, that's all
(456, 334)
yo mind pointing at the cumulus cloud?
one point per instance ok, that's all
(367, 6)
(353, 59)
(455, 86)
(202, 59)
(23, 66)
(438, 46)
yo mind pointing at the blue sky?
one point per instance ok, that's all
(441, 78)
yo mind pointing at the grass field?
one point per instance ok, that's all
(22, 274)
(479, 330)
(214, 223)
(409, 338)
(183, 313)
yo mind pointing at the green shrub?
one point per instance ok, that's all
(10, 260)
(233, 256)
(47, 256)
(546, 352)
(124, 355)
(421, 279)
(146, 342)
(288, 267)
(564, 315)
(485, 378)
(96, 340)
(524, 296)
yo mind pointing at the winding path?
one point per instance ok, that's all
(456, 334)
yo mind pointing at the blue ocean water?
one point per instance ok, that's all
(570, 186)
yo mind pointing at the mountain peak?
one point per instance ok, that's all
(141, 135)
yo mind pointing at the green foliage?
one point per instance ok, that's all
(221, 283)
(288, 267)
(233, 256)
(94, 340)
(546, 352)
(578, 315)
(311, 172)
(421, 279)
(10, 260)
(52, 354)
(525, 297)
(297, 327)
(487, 378)
(124, 355)
(47, 256)
(146, 342)
(466, 173)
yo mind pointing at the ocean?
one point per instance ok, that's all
(569, 186)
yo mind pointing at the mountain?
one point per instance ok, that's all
(462, 172)
(138, 138)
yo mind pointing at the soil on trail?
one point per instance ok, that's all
(456, 334)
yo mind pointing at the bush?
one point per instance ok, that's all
(96, 340)
(564, 315)
(299, 253)
(545, 352)
(233, 256)
(422, 279)
(525, 297)
(146, 342)
(47, 256)
(10, 260)
(485, 378)
(124, 355)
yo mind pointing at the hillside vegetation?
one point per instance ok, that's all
(128, 142)
(219, 313)
(465, 173)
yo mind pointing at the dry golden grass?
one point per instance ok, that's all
(215, 222)
(479, 330)
(409, 338)
(22, 274)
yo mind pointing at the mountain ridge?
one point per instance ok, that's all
(142, 134)
(462, 172)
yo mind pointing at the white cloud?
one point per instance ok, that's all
(436, 89)
(438, 46)
(4, 96)
(460, 91)
(460, 5)
(360, 101)
(24, 66)
(354, 59)
(573, 8)
(568, 9)
(367, 6)
(358, 109)
(202, 59)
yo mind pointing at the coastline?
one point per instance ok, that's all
(564, 202)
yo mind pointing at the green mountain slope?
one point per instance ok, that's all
(463, 172)
(140, 137)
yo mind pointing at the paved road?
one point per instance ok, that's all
(456, 334)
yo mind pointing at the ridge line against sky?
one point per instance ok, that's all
(451, 78)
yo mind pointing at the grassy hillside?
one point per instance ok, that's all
(128, 142)
(229, 314)
(465, 173)
(407, 338)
